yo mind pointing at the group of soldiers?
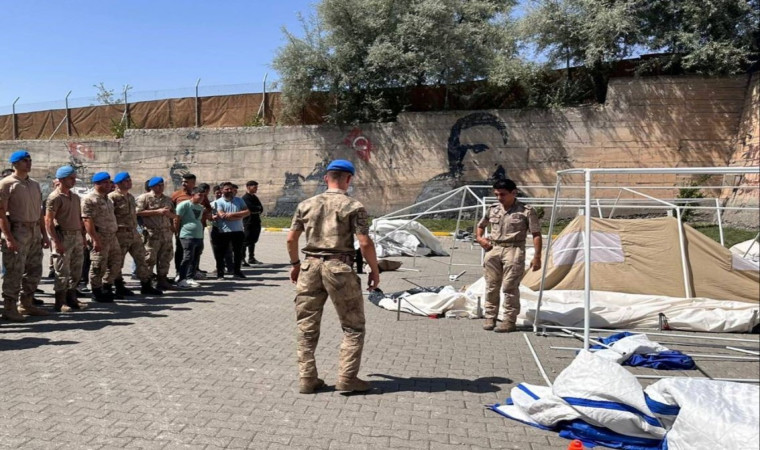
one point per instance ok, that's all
(108, 218)
(103, 224)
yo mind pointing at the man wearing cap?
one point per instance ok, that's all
(331, 220)
(63, 222)
(157, 212)
(125, 210)
(510, 221)
(252, 223)
(100, 223)
(23, 228)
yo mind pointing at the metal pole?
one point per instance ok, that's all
(535, 358)
(693, 355)
(684, 260)
(197, 105)
(736, 380)
(13, 119)
(720, 221)
(68, 118)
(618, 330)
(125, 116)
(751, 245)
(587, 262)
(456, 232)
(546, 256)
(614, 205)
(743, 351)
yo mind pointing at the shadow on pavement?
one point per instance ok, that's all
(29, 342)
(392, 383)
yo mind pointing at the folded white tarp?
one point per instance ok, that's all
(608, 309)
(596, 396)
(404, 238)
(748, 250)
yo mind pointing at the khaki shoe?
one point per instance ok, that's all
(310, 385)
(489, 324)
(13, 316)
(506, 327)
(31, 310)
(352, 385)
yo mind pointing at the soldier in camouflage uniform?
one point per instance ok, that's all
(510, 220)
(157, 212)
(100, 223)
(125, 210)
(24, 235)
(330, 221)
(63, 222)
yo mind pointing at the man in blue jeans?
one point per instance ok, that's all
(228, 213)
(190, 226)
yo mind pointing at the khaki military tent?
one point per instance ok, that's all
(643, 256)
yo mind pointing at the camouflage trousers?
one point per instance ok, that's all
(130, 241)
(504, 268)
(317, 280)
(159, 250)
(23, 269)
(68, 265)
(105, 265)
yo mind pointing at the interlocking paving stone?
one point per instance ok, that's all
(216, 368)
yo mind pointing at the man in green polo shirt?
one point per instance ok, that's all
(188, 221)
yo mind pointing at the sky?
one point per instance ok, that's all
(51, 47)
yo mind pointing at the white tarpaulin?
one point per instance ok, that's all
(595, 398)
(608, 309)
(413, 239)
(752, 245)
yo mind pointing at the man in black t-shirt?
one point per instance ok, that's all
(252, 223)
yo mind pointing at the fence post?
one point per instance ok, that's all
(13, 119)
(197, 106)
(68, 115)
(125, 116)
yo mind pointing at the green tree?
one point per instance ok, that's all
(367, 54)
(590, 33)
(712, 37)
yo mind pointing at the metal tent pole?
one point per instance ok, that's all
(587, 261)
(548, 249)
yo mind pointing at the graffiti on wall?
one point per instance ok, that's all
(293, 190)
(80, 151)
(457, 151)
(360, 143)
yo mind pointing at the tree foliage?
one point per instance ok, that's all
(365, 56)
(368, 53)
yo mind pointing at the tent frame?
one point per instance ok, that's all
(588, 176)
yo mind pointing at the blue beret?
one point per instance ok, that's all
(121, 176)
(341, 165)
(64, 172)
(154, 181)
(18, 156)
(100, 176)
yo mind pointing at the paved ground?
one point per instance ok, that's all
(216, 368)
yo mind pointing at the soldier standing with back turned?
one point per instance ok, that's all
(330, 221)
(23, 228)
(510, 220)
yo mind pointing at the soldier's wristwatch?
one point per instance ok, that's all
(296, 262)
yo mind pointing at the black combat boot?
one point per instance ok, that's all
(101, 296)
(121, 289)
(147, 289)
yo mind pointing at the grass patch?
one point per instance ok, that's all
(732, 236)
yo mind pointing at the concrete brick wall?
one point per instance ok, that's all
(647, 122)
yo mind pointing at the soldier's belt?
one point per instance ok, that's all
(348, 259)
(24, 224)
(508, 244)
(70, 231)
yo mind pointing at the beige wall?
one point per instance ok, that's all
(647, 122)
